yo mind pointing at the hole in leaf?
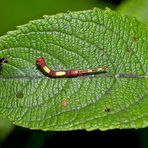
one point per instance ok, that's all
(107, 110)
(3, 60)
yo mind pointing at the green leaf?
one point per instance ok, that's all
(136, 8)
(5, 129)
(76, 40)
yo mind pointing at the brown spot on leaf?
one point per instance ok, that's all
(20, 95)
(135, 39)
(65, 102)
(129, 50)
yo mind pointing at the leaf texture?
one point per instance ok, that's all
(76, 40)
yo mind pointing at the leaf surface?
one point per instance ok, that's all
(76, 40)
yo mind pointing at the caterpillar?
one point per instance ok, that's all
(64, 73)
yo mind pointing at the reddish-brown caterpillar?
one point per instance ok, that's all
(64, 73)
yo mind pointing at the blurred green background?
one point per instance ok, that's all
(18, 12)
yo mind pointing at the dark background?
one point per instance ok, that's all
(17, 12)
(128, 138)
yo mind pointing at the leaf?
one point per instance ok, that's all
(76, 40)
(136, 8)
(5, 129)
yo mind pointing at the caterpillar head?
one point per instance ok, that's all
(40, 61)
